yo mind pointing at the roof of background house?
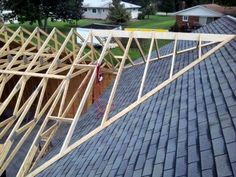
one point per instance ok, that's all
(211, 9)
(186, 129)
(106, 4)
(222, 9)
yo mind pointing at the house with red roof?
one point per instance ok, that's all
(200, 15)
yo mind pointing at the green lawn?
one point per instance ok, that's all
(62, 26)
(154, 22)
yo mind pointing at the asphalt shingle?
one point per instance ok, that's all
(187, 128)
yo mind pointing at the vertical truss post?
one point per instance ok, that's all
(200, 47)
(108, 107)
(157, 49)
(146, 67)
(38, 39)
(173, 57)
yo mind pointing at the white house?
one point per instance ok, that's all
(5, 17)
(98, 9)
(201, 15)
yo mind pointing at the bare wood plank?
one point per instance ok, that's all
(162, 35)
(112, 95)
(123, 49)
(178, 52)
(140, 50)
(21, 73)
(82, 103)
(62, 119)
(173, 57)
(146, 68)
(126, 110)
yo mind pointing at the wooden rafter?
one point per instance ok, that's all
(38, 55)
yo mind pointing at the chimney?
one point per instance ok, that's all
(183, 5)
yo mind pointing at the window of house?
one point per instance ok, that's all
(185, 18)
(94, 10)
(85, 9)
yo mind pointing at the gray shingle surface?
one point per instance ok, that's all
(186, 129)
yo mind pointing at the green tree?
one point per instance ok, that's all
(40, 10)
(168, 6)
(69, 10)
(117, 13)
(149, 10)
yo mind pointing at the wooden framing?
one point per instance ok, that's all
(36, 55)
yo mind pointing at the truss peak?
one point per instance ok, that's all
(39, 58)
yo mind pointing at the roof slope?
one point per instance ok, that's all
(209, 10)
(222, 9)
(186, 129)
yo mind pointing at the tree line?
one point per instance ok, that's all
(40, 10)
(175, 5)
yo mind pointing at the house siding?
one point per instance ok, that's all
(102, 13)
(192, 21)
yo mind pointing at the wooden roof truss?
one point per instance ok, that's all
(40, 55)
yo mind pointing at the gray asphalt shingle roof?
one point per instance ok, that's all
(186, 129)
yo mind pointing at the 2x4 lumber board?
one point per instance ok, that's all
(50, 129)
(9, 41)
(45, 146)
(34, 122)
(22, 49)
(122, 48)
(81, 71)
(109, 51)
(173, 57)
(85, 66)
(46, 34)
(5, 130)
(8, 142)
(157, 48)
(85, 80)
(146, 68)
(32, 74)
(33, 149)
(3, 123)
(19, 96)
(200, 47)
(28, 33)
(2, 29)
(61, 119)
(177, 53)
(67, 82)
(1, 148)
(60, 51)
(112, 95)
(140, 49)
(37, 117)
(126, 110)
(84, 98)
(162, 35)
(24, 127)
